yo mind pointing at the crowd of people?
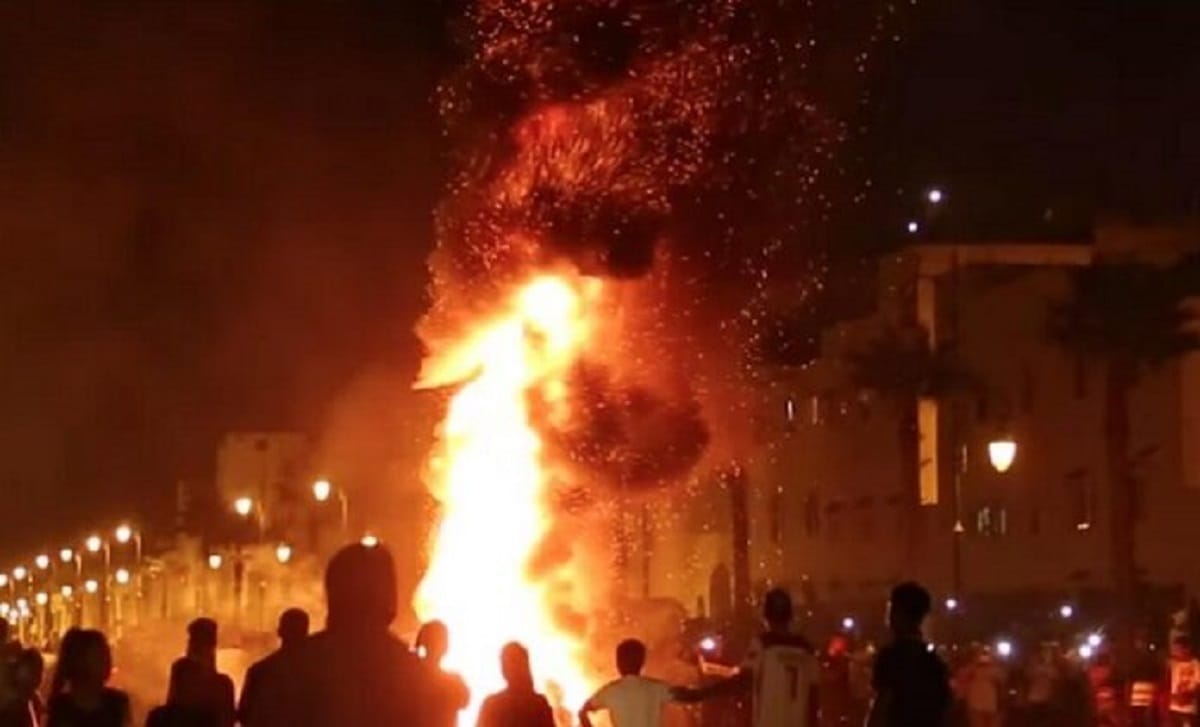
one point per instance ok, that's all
(355, 672)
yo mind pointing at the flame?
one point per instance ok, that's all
(491, 479)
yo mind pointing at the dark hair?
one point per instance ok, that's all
(631, 657)
(777, 606)
(73, 653)
(514, 665)
(293, 624)
(203, 631)
(911, 601)
(433, 636)
(68, 652)
(360, 586)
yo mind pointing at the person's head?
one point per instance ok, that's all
(777, 609)
(1181, 649)
(631, 657)
(514, 665)
(360, 587)
(293, 626)
(433, 641)
(202, 639)
(908, 607)
(85, 660)
(27, 672)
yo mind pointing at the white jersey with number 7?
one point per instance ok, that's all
(785, 671)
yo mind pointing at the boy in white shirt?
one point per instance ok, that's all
(632, 700)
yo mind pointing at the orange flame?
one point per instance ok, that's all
(491, 479)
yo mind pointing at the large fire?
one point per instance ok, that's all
(492, 479)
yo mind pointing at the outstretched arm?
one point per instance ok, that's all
(736, 683)
(585, 719)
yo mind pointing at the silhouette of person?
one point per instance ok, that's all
(518, 705)
(263, 677)
(633, 700)
(84, 699)
(196, 688)
(354, 672)
(780, 669)
(25, 708)
(448, 693)
(912, 687)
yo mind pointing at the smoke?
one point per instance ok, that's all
(675, 147)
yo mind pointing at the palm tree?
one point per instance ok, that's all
(900, 366)
(1131, 318)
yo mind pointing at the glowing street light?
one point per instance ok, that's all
(1086, 651)
(22, 604)
(848, 624)
(1004, 648)
(93, 544)
(42, 561)
(123, 533)
(66, 555)
(42, 598)
(1066, 610)
(122, 576)
(369, 541)
(1002, 452)
(322, 489)
(20, 573)
(67, 591)
(214, 561)
(243, 506)
(5, 607)
(1094, 640)
(913, 227)
(283, 553)
(3, 580)
(935, 196)
(91, 586)
(951, 604)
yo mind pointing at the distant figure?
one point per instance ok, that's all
(911, 683)
(837, 691)
(1183, 677)
(518, 705)
(264, 677)
(84, 699)
(355, 672)
(983, 683)
(448, 692)
(632, 700)
(25, 708)
(781, 667)
(196, 688)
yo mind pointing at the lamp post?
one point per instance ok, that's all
(97, 545)
(1002, 452)
(322, 490)
(124, 535)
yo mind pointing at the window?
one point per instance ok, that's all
(991, 521)
(776, 515)
(1079, 485)
(812, 516)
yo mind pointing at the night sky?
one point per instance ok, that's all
(214, 216)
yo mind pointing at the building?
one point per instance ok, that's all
(859, 481)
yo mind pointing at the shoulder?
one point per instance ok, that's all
(785, 640)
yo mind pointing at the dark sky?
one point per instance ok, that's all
(214, 216)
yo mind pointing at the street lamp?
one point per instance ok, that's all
(123, 533)
(3, 580)
(243, 506)
(91, 585)
(323, 489)
(283, 553)
(214, 561)
(1002, 452)
(42, 561)
(67, 591)
(935, 196)
(42, 598)
(122, 576)
(66, 555)
(20, 573)
(93, 544)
